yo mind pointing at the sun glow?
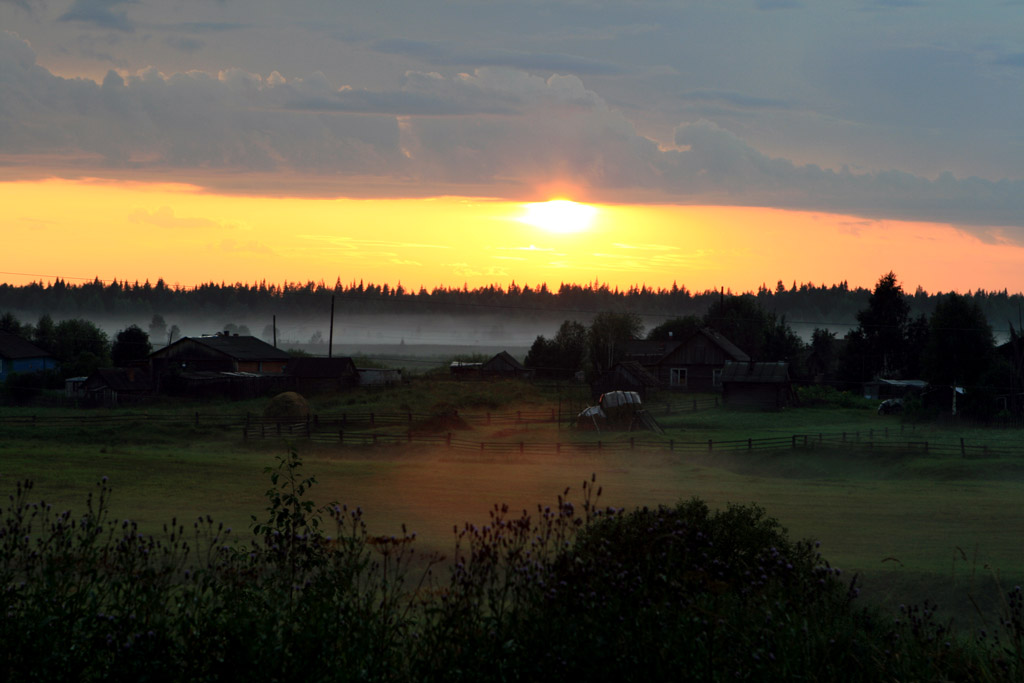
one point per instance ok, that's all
(560, 216)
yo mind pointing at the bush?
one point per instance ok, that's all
(570, 592)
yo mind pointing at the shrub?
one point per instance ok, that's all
(571, 591)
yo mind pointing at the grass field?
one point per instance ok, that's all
(916, 527)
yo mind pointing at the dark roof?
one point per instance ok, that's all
(320, 367)
(633, 370)
(506, 358)
(730, 349)
(13, 346)
(118, 379)
(762, 373)
(237, 347)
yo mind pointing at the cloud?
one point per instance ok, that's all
(101, 13)
(443, 54)
(495, 132)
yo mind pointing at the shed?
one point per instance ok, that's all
(18, 354)
(117, 386)
(763, 386)
(505, 365)
(696, 364)
(322, 374)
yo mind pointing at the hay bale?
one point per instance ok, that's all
(288, 406)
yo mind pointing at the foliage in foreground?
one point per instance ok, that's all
(568, 591)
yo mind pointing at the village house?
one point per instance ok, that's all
(220, 353)
(19, 355)
(696, 363)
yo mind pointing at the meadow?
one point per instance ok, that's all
(914, 525)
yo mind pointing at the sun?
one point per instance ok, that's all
(560, 216)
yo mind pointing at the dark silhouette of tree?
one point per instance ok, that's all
(158, 329)
(607, 337)
(741, 320)
(676, 329)
(562, 356)
(130, 344)
(960, 346)
(10, 323)
(78, 345)
(878, 347)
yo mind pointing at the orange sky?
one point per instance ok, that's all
(86, 229)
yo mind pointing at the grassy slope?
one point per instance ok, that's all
(918, 527)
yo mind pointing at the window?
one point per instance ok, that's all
(677, 377)
(716, 377)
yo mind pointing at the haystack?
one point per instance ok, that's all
(287, 406)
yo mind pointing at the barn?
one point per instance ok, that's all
(761, 386)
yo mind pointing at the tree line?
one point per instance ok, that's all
(804, 303)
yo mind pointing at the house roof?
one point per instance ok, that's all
(761, 373)
(730, 349)
(14, 347)
(506, 358)
(635, 371)
(312, 368)
(235, 346)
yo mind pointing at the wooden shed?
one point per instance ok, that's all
(113, 387)
(762, 386)
(322, 374)
(505, 365)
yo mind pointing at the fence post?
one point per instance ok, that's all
(750, 444)
(372, 421)
(408, 417)
(488, 418)
(963, 451)
(341, 436)
(925, 446)
(844, 437)
(598, 445)
(520, 446)
(671, 444)
(558, 447)
(694, 405)
(630, 443)
(709, 444)
(794, 441)
(197, 418)
(448, 440)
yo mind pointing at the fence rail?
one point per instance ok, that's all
(873, 440)
(346, 420)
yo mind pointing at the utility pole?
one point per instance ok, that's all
(330, 342)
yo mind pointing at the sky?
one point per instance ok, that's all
(717, 143)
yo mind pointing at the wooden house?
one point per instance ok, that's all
(762, 386)
(696, 364)
(219, 353)
(19, 355)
